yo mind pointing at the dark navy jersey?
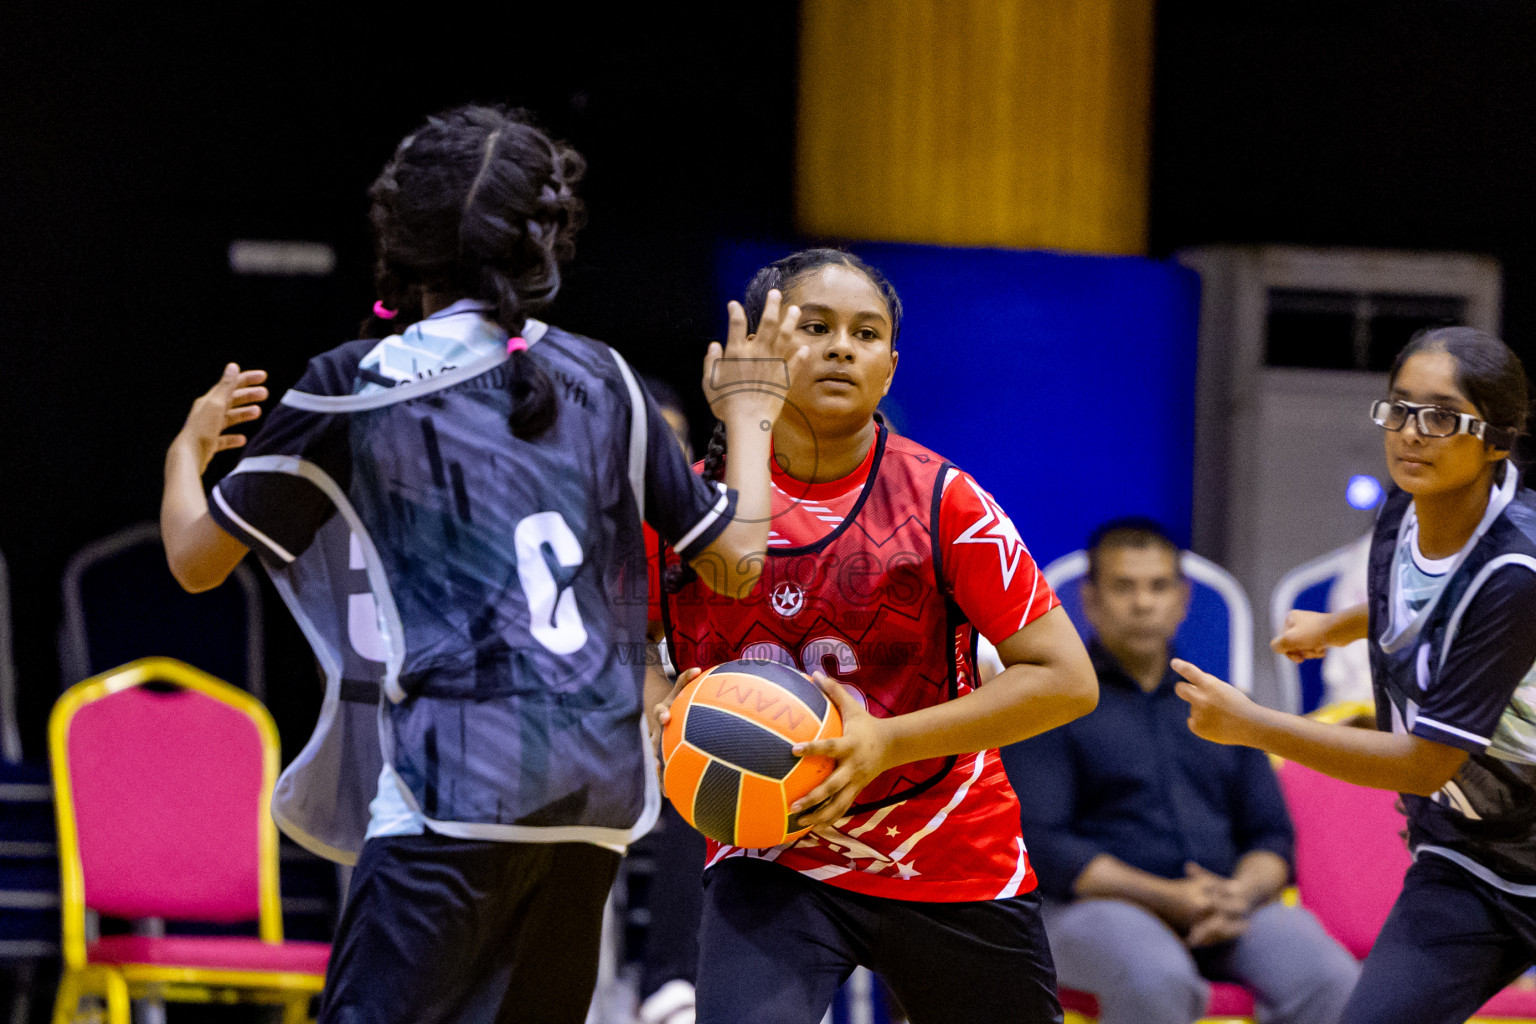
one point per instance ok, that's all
(1462, 672)
(322, 799)
(494, 589)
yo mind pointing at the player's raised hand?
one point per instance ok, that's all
(230, 402)
(749, 378)
(1218, 711)
(1304, 635)
(861, 753)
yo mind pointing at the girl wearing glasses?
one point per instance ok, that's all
(1451, 614)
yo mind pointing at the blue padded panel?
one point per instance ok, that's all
(1203, 639)
(1065, 384)
(1313, 599)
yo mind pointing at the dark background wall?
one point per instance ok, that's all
(135, 144)
(1406, 124)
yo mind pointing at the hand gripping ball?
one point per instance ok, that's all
(729, 770)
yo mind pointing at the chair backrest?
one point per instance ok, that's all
(1217, 634)
(10, 731)
(1350, 859)
(122, 603)
(163, 796)
(1306, 587)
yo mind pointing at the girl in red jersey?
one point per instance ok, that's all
(884, 561)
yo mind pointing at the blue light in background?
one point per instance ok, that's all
(1363, 492)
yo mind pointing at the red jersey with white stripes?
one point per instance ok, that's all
(879, 580)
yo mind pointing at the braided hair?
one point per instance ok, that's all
(782, 275)
(478, 203)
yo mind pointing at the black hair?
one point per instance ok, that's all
(478, 203)
(1487, 372)
(1128, 532)
(782, 274)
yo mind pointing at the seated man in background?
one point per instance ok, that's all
(1161, 855)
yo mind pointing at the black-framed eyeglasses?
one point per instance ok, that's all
(1438, 421)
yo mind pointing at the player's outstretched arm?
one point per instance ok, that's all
(1309, 634)
(1221, 713)
(746, 383)
(201, 554)
(1047, 681)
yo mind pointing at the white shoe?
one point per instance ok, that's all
(670, 1004)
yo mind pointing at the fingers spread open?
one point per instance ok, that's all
(242, 414)
(768, 324)
(711, 359)
(799, 362)
(784, 332)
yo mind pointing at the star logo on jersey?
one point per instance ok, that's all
(787, 599)
(994, 527)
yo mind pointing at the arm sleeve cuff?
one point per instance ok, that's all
(276, 514)
(1429, 729)
(236, 526)
(709, 526)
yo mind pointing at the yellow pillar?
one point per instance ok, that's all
(1017, 123)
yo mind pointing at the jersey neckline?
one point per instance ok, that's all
(1435, 567)
(801, 490)
(533, 331)
(870, 468)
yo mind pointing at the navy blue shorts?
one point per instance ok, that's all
(1451, 942)
(775, 946)
(438, 929)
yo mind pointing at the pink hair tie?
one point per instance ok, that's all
(516, 345)
(383, 312)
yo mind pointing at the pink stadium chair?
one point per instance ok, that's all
(163, 803)
(1350, 863)
(1230, 1004)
